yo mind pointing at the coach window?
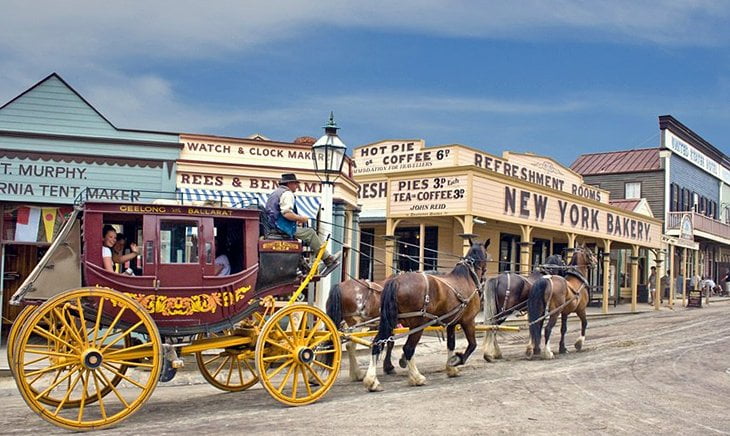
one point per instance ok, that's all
(178, 242)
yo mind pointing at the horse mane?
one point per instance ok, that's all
(475, 254)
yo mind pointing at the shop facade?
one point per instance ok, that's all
(55, 148)
(242, 172)
(686, 182)
(420, 203)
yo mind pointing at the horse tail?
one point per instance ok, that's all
(490, 302)
(388, 314)
(536, 309)
(334, 304)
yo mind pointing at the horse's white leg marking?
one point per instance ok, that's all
(355, 372)
(414, 377)
(371, 379)
(546, 352)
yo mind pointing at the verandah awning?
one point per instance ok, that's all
(307, 205)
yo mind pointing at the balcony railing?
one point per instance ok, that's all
(699, 222)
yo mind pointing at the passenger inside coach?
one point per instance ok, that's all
(108, 255)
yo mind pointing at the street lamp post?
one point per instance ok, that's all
(328, 154)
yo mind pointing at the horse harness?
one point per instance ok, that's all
(371, 287)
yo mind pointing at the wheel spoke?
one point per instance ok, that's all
(54, 384)
(111, 326)
(128, 349)
(314, 330)
(286, 377)
(121, 336)
(119, 374)
(68, 393)
(230, 371)
(47, 369)
(81, 317)
(321, 339)
(47, 352)
(295, 382)
(85, 386)
(240, 371)
(330, 351)
(220, 367)
(128, 363)
(99, 397)
(250, 368)
(285, 334)
(51, 337)
(280, 368)
(114, 389)
(273, 358)
(314, 373)
(306, 380)
(277, 344)
(98, 320)
(216, 357)
(317, 362)
(74, 334)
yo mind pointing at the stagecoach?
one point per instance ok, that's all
(91, 345)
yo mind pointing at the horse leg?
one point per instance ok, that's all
(563, 329)
(354, 368)
(388, 367)
(492, 351)
(414, 377)
(471, 339)
(451, 369)
(581, 312)
(547, 353)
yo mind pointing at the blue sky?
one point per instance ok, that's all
(556, 78)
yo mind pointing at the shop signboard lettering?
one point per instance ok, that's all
(226, 182)
(698, 158)
(533, 206)
(429, 196)
(60, 182)
(399, 156)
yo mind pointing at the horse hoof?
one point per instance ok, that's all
(489, 358)
(452, 371)
(548, 355)
(579, 343)
(417, 381)
(528, 353)
(454, 360)
(372, 385)
(563, 351)
(390, 370)
(402, 362)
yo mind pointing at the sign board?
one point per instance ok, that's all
(694, 298)
(428, 196)
(696, 157)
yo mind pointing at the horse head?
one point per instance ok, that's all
(477, 258)
(583, 259)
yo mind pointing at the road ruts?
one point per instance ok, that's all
(666, 372)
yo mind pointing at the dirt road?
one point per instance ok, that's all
(665, 372)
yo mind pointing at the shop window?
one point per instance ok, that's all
(178, 242)
(408, 249)
(695, 202)
(367, 242)
(673, 197)
(632, 190)
(509, 252)
(702, 206)
(685, 198)
(540, 251)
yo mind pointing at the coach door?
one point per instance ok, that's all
(179, 250)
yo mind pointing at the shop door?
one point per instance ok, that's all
(19, 262)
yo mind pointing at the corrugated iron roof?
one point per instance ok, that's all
(613, 162)
(629, 205)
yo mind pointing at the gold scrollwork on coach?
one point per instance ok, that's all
(280, 246)
(167, 305)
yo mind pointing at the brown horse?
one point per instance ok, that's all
(560, 296)
(355, 302)
(507, 293)
(416, 300)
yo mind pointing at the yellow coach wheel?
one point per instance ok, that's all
(55, 346)
(298, 354)
(85, 338)
(231, 369)
(14, 331)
